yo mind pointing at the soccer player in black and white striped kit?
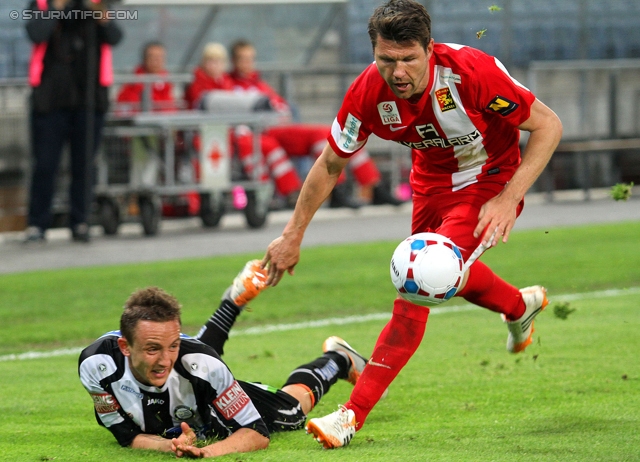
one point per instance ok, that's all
(156, 388)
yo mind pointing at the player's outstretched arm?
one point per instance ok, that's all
(244, 440)
(284, 252)
(499, 214)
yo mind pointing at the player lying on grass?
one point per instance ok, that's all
(156, 388)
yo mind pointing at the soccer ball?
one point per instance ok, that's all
(427, 269)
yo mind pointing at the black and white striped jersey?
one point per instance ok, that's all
(200, 391)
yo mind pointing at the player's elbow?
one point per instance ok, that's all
(551, 124)
(560, 127)
(252, 440)
(262, 443)
(256, 442)
(556, 125)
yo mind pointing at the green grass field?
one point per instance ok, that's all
(574, 395)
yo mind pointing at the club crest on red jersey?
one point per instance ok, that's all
(445, 100)
(389, 113)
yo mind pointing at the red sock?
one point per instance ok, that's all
(397, 342)
(484, 288)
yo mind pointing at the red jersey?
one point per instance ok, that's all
(203, 83)
(463, 130)
(254, 82)
(161, 94)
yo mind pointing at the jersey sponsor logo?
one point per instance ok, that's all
(105, 403)
(232, 401)
(448, 75)
(153, 401)
(428, 131)
(502, 105)
(350, 133)
(131, 390)
(389, 113)
(445, 100)
(438, 142)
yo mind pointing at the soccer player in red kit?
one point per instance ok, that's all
(460, 111)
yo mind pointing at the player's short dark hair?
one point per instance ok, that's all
(239, 44)
(402, 21)
(150, 304)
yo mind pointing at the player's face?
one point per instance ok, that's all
(214, 67)
(405, 67)
(153, 352)
(154, 61)
(244, 60)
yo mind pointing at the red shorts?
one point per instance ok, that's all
(299, 140)
(454, 214)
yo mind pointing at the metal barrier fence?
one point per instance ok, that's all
(596, 100)
(599, 105)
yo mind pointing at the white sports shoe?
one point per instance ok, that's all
(247, 284)
(520, 331)
(357, 360)
(334, 430)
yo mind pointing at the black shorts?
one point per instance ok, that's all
(279, 410)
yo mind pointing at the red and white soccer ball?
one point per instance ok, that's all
(427, 268)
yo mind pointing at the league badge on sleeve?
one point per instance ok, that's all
(502, 105)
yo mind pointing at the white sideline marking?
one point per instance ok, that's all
(336, 322)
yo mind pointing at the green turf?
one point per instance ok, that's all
(574, 394)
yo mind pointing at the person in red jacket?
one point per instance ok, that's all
(303, 140)
(131, 97)
(211, 75)
(158, 97)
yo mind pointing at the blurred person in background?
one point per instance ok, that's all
(132, 96)
(146, 151)
(305, 141)
(211, 75)
(70, 72)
